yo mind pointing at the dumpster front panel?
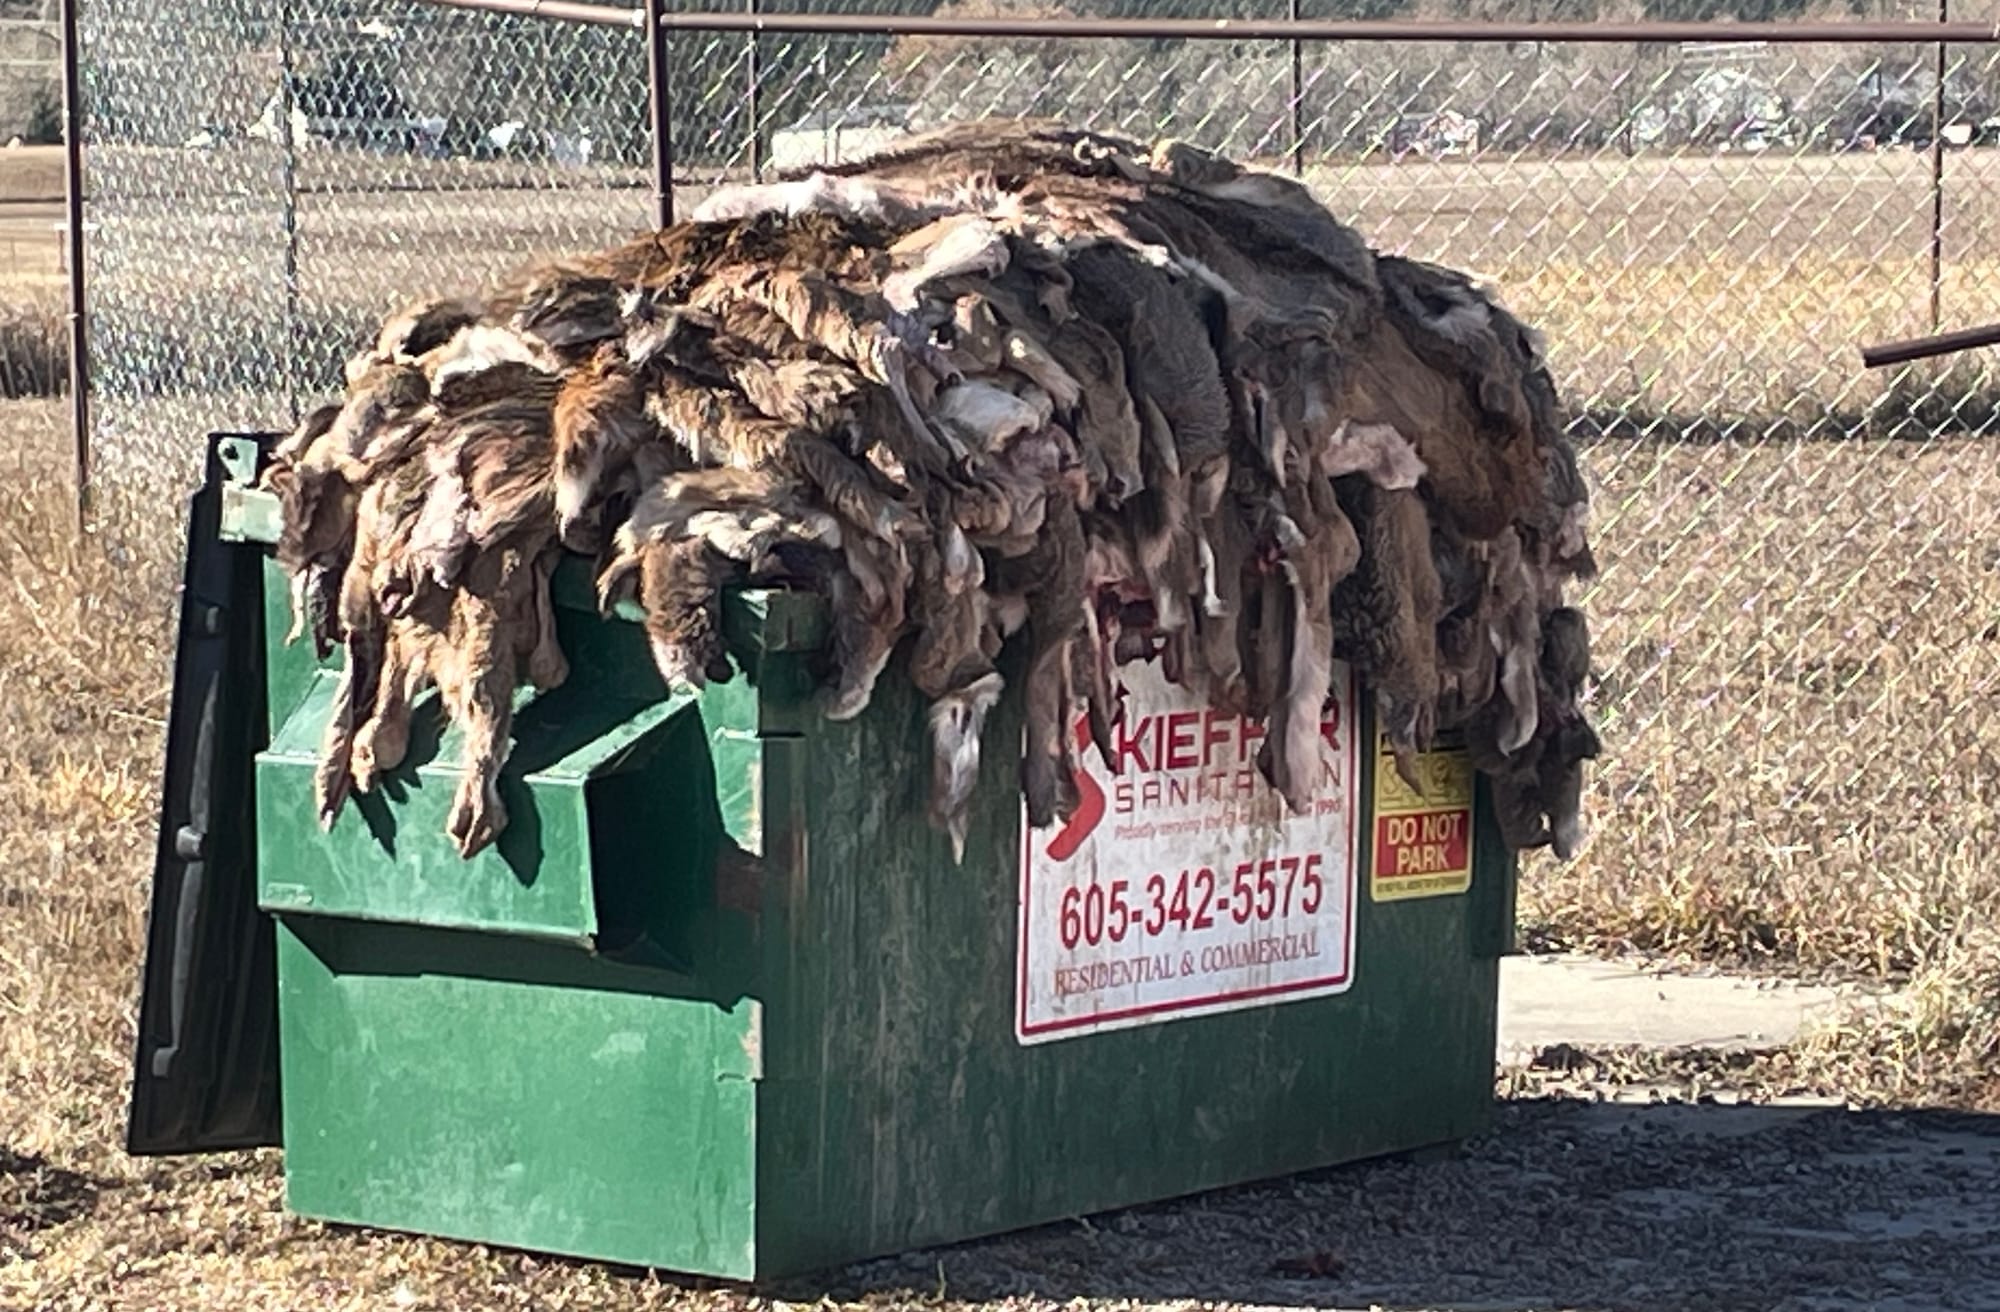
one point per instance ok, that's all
(387, 855)
(793, 1040)
(900, 1107)
(515, 1092)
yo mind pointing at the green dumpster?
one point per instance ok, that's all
(719, 1002)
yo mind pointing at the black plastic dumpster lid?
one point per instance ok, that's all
(205, 1074)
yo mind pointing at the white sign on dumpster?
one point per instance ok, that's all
(1184, 884)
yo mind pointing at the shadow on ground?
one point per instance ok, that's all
(36, 1196)
(1627, 1208)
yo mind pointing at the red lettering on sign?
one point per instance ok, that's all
(1089, 805)
(1248, 735)
(1214, 734)
(1428, 843)
(1329, 725)
(1195, 740)
(1129, 743)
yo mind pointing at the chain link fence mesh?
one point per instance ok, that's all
(1799, 616)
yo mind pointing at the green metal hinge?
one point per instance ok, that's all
(249, 514)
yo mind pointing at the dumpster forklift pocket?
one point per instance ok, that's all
(584, 860)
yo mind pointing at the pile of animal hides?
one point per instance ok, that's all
(1006, 378)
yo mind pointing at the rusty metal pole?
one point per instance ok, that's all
(754, 56)
(79, 344)
(1777, 32)
(1923, 348)
(1937, 178)
(288, 181)
(1298, 97)
(659, 100)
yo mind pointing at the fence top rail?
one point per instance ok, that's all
(1258, 29)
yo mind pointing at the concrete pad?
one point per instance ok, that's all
(1588, 1002)
(1566, 1205)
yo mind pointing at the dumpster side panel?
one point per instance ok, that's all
(514, 1092)
(898, 1109)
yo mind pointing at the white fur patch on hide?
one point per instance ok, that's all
(957, 720)
(573, 486)
(1009, 614)
(297, 590)
(476, 349)
(1211, 600)
(1312, 679)
(963, 567)
(857, 198)
(967, 244)
(988, 414)
(1377, 450)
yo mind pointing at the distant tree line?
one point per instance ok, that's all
(30, 75)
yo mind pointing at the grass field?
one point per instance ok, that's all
(31, 173)
(1797, 643)
(31, 192)
(1696, 294)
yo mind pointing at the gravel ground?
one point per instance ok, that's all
(1628, 1207)
(1611, 1204)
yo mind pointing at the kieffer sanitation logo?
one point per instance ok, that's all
(1184, 884)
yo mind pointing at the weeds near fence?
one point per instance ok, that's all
(83, 681)
(34, 348)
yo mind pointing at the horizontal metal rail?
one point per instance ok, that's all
(562, 11)
(1253, 29)
(1923, 348)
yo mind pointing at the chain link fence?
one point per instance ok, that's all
(1798, 621)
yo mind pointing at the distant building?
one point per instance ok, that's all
(837, 135)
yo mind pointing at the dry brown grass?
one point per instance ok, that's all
(31, 192)
(83, 634)
(31, 173)
(34, 347)
(82, 637)
(1795, 648)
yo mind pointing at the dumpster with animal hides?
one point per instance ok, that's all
(992, 682)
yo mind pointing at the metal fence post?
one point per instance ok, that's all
(288, 152)
(1937, 179)
(754, 57)
(1298, 97)
(659, 94)
(79, 358)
